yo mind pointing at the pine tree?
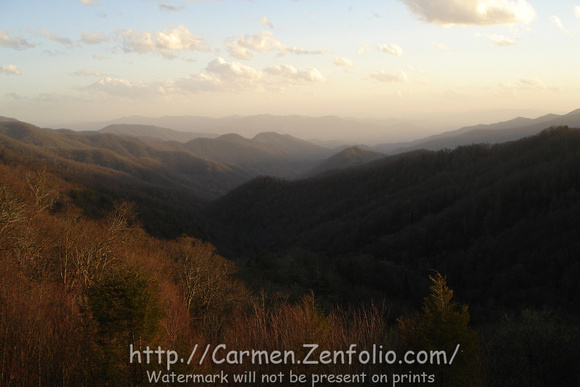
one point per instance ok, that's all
(442, 325)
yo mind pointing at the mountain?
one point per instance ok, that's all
(350, 157)
(499, 220)
(265, 154)
(167, 182)
(495, 133)
(319, 129)
(152, 132)
(7, 119)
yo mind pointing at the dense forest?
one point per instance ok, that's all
(98, 256)
(500, 220)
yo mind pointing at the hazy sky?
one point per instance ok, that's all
(67, 60)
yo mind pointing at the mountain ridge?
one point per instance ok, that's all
(510, 130)
(152, 132)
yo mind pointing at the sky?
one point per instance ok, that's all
(94, 60)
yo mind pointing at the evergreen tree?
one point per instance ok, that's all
(442, 326)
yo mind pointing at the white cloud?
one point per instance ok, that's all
(577, 11)
(292, 74)
(87, 73)
(138, 42)
(363, 49)
(123, 88)
(17, 43)
(343, 62)
(500, 40)
(556, 20)
(527, 84)
(389, 77)
(441, 46)
(64, 41)
(218, 76)
(264, 42)
(392, 49)
(91, 2)
(92, 38)
(415, 69)
(165, 42)
(233, 71)
(265, 22)
(10, 69)
(472, 12)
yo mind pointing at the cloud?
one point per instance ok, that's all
(218, 76)
(10, 69)
(556, 20)
(343, 62)
(441, 46)
(87, 73)
(415, 69)
(232, 69)
(64, 41)
(123, 88)
(389, 77)
(363, 49)
(264, 21)
(392, 49)
(17, 43)
(527, 84)
(500, 40)
(263, 42)
(472, 12)
(170, 8)
(91, 2)
(92, 38)
(577, 11)
(165, 42)
(294, 75)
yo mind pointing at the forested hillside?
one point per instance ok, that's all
(499, 220)
(79, 288)
(78, 295)
(265, 154)
(349, 157)
(164, 180)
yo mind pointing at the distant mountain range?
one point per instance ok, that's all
(152, 132)
(495, 133)
(320, 130)
(231, 159)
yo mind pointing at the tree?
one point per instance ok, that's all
(442, 325)
(126, 310)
